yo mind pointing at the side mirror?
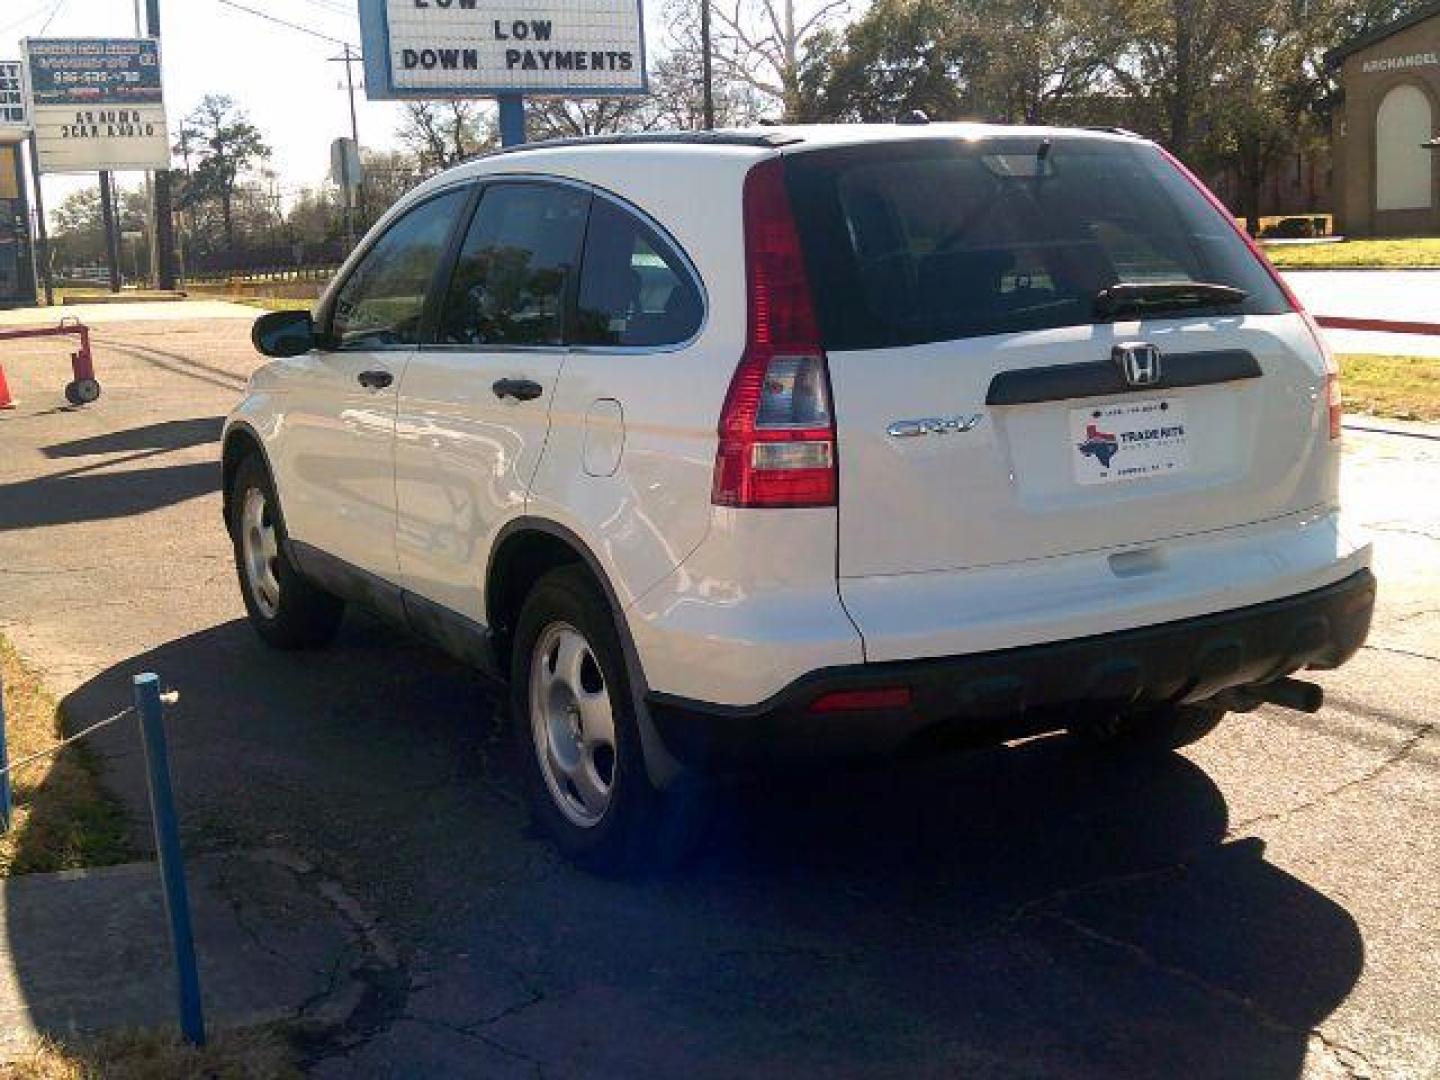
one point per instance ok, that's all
(284, 333)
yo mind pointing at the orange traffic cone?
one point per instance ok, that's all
(6, 401)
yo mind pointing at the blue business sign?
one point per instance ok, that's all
(478, 48)
(94, 71)
(96, 104)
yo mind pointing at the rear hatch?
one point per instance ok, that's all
(998, 398)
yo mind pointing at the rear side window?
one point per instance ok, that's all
(383, 300)
(634, 288)
(932, 240)
(515, 264)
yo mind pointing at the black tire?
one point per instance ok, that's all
(1163, 728)
(639, 828)
(82, 391)
(298, 614)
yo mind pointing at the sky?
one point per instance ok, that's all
(279, 76)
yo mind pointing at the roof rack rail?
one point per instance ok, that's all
(1113, 130)
(656, 138)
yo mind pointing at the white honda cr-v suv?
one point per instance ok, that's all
(807, 439)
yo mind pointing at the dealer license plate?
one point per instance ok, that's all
(1128, 440)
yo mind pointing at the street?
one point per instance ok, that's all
(1262, 904)
(1400, 295)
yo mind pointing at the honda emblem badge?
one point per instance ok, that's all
(1138, 361)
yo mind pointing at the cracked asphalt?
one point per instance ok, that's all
(1264, 904)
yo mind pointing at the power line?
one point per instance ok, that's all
(282, 22)
(333, 7)
(51, 18)
(33, 14)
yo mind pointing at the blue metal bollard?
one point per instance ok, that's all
(167, 849)
(6, 801)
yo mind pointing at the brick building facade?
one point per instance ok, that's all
(1387, 164)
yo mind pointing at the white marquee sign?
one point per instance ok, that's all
(14, 116)
(473, 48)
(97, 104)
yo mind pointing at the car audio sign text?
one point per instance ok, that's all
(97, 104)
(443, 48)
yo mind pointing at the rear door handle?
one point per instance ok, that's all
(375, 380)
(519, 389)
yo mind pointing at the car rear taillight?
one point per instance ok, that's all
(1333, 403)
(777, 429)
(1332, 369)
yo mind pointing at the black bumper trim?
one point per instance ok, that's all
(1034, 688)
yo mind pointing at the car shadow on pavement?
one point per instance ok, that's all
(164, 435)
(1035, 909)
(86, 494)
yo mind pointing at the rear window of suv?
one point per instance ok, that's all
(931, 240)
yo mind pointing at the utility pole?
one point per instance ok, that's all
(349, 59)
(42, 232)
(706, 76)
(152, 242)
(112, 229)
(163, 206)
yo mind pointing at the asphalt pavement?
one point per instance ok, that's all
(1263, 904)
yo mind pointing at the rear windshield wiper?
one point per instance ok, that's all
(1163, 296)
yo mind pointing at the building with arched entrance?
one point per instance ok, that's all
(1387, 159)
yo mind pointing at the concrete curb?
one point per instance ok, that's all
(1372, 425)
(87, 951)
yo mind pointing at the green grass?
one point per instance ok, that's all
(80, 294)
(254, 1054)
(1397, 253)
(1398, 387)
(274, 303)
(64, 818)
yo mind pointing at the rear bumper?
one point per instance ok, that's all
(984, 697)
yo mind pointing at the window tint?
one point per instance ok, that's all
(926, 241)
(634, 287)
(383, 300)
(509, 284)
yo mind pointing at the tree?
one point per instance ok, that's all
(444, 133)
(761, 44)
(901, 56)
(565, 118)
(389, 174)
(1172, 50)
(1027, 61)
(226, 146)
(77, 235)
(677, 96)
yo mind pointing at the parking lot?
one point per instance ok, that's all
(1262, 904)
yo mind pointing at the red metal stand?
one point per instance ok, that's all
(82, 389)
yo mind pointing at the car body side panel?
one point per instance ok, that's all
(644, 513)
(753, 609)
(644, 518)
(463, 464)
(330, 445)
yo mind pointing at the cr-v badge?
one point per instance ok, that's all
(934, 425)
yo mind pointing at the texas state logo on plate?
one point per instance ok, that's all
(1128, 440)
